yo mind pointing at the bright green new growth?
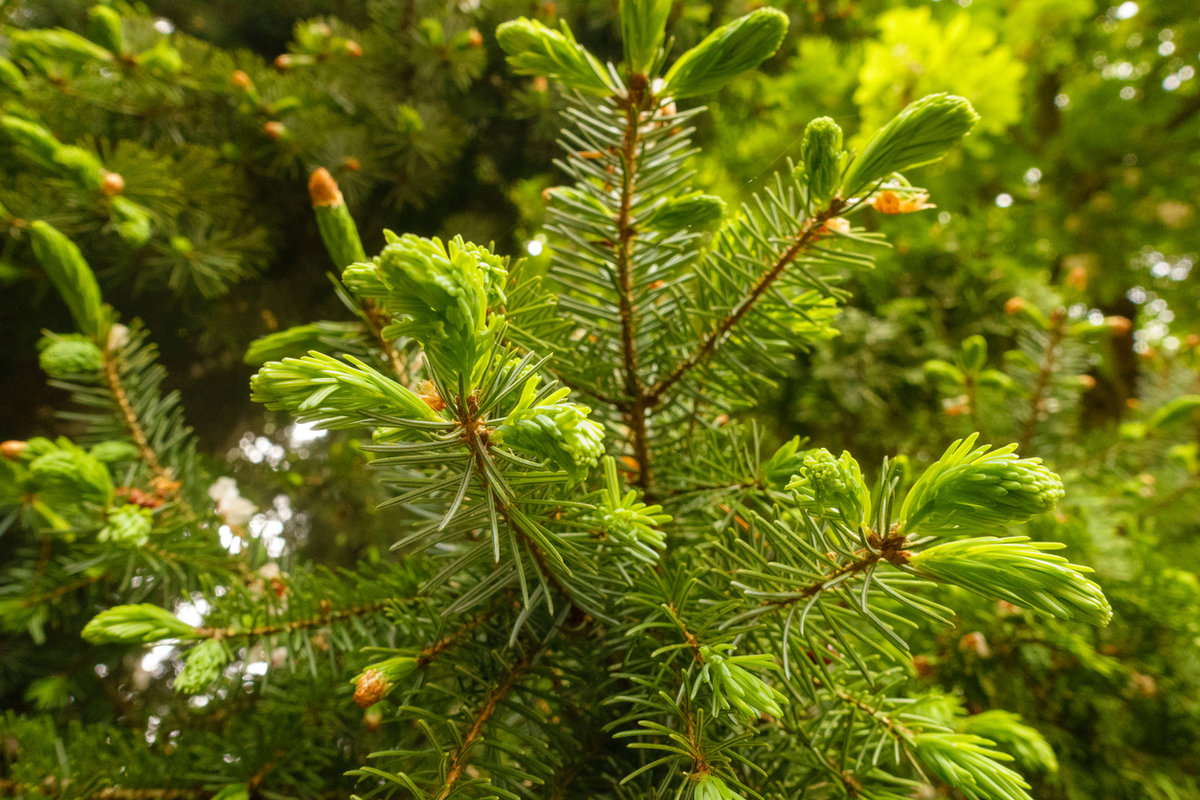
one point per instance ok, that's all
(829, 486)
(734, 686)
(643, 26)
(43, 48)
(710, 787)
(202, 666)
(131, 221)
(726, 53)
(440, 294)
(553, 430)
(534, 49)
(141, 623)
(338, 231)
(33, 141)
(1019, 571)
(129, 525)
(972, 489)
(821, 158)
(105, 28)
(1026, 745)
(70, 354)
(628, 521)
(920, 134)
(334, 394)
(967, 763)
(65, 473)
(70, 274)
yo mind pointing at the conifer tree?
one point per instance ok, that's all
(606, 584)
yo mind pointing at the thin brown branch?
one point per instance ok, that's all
(890, 549)
(112, 375)
(635, 415)
(461, 755)
(66, 588)
(294, 625)
(429, 654)
(807, 236)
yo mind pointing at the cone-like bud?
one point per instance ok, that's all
(534, 49)
(73, 354)
(967, 763)
(831, 487)
(13, 448)
(734, 686)
(643, 26)
(920, 134)
(440, 293)
(202, 665)
(129, 525)
(1019, 571)
(104, 28)
(979, 488)
(378, 680)
(111, 183)
(726, 53)
(821, 157)
(552, 429)
(337, 227)
(694, 211)
(139, 623)
(1022, 742)
(332, 393)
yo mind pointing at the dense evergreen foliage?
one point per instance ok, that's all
(546, 501)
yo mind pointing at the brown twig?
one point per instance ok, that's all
(808, 235)
(459, 761)
(112, 375)
(294, 625)
(890, 549)
(635, 415)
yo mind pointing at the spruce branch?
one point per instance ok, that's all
(634, 388)
(320, 620)
(810, 231)
(461, 756)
